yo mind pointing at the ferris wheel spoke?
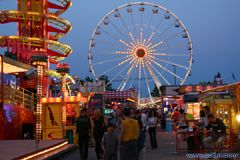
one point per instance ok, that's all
(119, 73)
(111, 69)
(133, 39)
(155, 78)
(112, 53)
(168, 54)
(141, 21)
(167, 70)
(126, 44)
(155, 45)
(169, 62)
(122, 52)
(125, 81)
(106, 42)
(159, 23)
(133, 76)
(124, 23)
(110, 35)
(149, 24)
(149, 39)
(148, 87)
(116, 28)
(173, 36)
(163, 32)
(164, 42)
(139, 80)
(170, 47)
(111, 60)
(133, 22)
(159, 74)
(141, 37)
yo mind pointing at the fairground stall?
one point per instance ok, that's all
(191, 103)
(17, 119)
(117, 100)
(224, 103)
(53, 119)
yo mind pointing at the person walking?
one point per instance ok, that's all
(83, 130)
(129, 137)
(110, 143)
(152, 123)
(206, 111)
(163, 120)
(142, 136)
(98, 127)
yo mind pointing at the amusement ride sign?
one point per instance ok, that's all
(22, 51)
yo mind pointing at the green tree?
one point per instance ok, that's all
(108, 86)
(155, 91)
(81, 82)
(88, 79)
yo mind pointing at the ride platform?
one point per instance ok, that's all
(27, 149)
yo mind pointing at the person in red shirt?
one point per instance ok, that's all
(175, 115)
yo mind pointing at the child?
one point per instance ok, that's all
(110, 143)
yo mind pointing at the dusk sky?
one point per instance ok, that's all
(212, 24)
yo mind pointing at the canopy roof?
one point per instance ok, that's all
(13, 66)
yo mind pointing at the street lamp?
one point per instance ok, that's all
(40, 60)
(63, 69)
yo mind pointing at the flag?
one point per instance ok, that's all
(233, 76)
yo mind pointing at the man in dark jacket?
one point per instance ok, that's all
(217, 131)
(83, 131)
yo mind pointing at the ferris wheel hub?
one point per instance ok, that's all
(140, 52)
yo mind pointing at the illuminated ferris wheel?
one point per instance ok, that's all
(140, 45)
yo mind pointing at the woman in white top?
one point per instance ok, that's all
(152, 124)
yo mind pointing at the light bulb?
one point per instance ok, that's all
(238, 118)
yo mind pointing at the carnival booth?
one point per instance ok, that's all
(221, 105)
(224, 103)
(53, 116)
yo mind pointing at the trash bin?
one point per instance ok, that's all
(69, 136)
(168, 125)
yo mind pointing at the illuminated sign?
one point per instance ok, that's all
(22, 51)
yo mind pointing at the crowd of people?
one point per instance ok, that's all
(211, 131)
(124, 131)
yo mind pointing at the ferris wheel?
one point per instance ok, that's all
(141, 45)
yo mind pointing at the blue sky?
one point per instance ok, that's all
(213, 26)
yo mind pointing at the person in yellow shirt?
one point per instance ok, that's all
(128, 137)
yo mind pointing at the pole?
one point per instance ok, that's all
(175, 72)
(2, 90)
(238, 98)
(39, 105)
(63, 106)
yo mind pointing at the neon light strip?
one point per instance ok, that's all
(45, 151)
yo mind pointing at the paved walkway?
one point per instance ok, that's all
(166, 149)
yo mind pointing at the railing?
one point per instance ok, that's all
(19, 96)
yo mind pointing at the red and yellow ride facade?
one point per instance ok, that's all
(39, 27)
